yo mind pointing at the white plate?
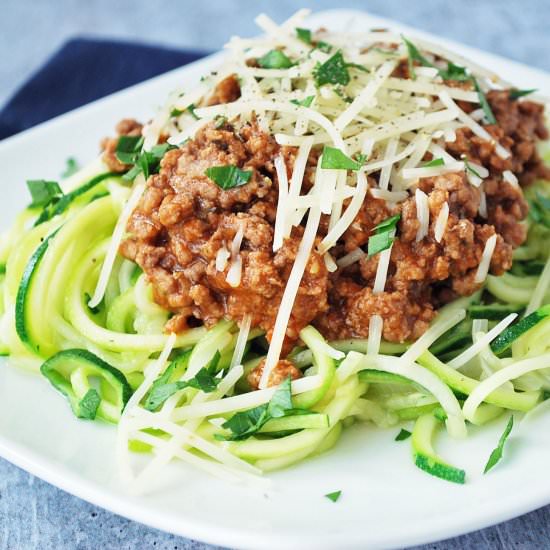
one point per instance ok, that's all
(385, 501)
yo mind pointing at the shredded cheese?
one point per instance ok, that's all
(441, 222)
(485, 263)
(422, 213)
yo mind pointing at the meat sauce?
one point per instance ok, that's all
(184, 219)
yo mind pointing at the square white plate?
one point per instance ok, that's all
(386, 501)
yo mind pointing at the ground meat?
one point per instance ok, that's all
(227, 91)
(282, 370)
(126, 127)
(184, 220)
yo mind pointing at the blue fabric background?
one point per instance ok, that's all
(33, 514)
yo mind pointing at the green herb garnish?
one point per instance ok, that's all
(454, 72)
(43, 192)
(496, 455)
(304, 35)
(275, 59)
(128, 148)
(470, 168)
(325, 47)
(71, 167)
(220, 121)
(205, 381)
(191, 110)
(229, 176)
(415, 55)
(334, 496)
(89, 404)
(434, 162)
(402, 435)
(384, 234)
(514, 93)
(306, 102)
(246, 423)
(335, 159)
(489, 115)
(333, 71)
(146, 162)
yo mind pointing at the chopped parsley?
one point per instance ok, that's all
(333, 71)
(334, 159)
(205, 381)
(220, 121)
(334, 496)
(228, 176)
(176, 112)
(43, 192)
(454, 72)
(304, 35)
(191, 110)
(246, 423)
(470, 168)
(127, 148)
(514, 93)
(402, 435)
(71, 167)
(415, 55)
(434, 162)
(306, 102)
(358, 67)
(129, 151)
(275, 59)
(89, 405)
(323, 46)
(496, 455)
(384, 234)
(489, 115)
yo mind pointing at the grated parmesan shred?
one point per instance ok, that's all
(485, 263)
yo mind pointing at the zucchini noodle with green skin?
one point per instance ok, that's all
(78, 313)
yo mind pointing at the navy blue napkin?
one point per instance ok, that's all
(84, 70)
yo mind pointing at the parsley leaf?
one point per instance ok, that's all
(496, 455)
(71, 167)
(383, 237)
(191, 110)
(147, 162)
(454, 72)
(127, 148)
(484, 103)
(358, 67)
(334, 496)
(470, 168)
(514, 93)
(176, 112)
(205, 381)
(220, 121)
(228, 176)
(415, 55)
(333, 71)
(306, 102)
(89, 404)
(402, 435)
(323, 46)
(334, 159)
(304, 35)
(275, 59)
(434, 162)
(246, 423)
(43, 192)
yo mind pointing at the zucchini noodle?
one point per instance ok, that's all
(73, 309)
